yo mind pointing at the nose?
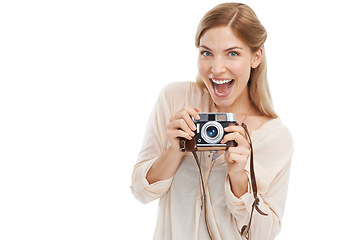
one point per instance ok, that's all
(218, 66)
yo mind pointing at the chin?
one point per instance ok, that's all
(223, 103)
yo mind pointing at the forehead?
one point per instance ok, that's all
(221, 38)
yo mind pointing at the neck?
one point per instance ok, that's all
(242, 107)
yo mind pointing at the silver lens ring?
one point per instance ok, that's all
(215, 139)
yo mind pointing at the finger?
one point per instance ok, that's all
(237, 137)
(190, 123)
(236, 128)
(182, 134)
(176, 133)
(194, 112)
(175, 116)
(181, 124)
(186, 114)
(237, 158)
(239, 150)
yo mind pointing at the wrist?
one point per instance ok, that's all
(239, 183)
(237, 171)
(175, 150)
(239, 176)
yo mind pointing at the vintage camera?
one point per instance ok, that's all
(209, 132)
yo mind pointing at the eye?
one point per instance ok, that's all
(206, 53)
(233, 54)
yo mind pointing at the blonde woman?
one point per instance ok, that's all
(232, 79)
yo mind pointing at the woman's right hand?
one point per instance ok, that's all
(181, 125)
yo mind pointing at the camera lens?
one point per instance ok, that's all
(212, 131)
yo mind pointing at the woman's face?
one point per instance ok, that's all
(224, 65)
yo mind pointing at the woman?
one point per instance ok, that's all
(232, 79)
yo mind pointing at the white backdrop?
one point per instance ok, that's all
(78, 80)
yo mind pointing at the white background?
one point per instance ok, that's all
(78, 80)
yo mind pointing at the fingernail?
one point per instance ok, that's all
(197, 117)
(192, 134)
(193, 127)
(226, 129)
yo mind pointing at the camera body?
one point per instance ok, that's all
(210, 131)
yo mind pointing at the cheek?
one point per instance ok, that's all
(241, 70)
(203, 67)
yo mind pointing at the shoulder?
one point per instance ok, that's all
(178, 89)
(273, 143)
(282, 133)
(273, 129)
(179, 94)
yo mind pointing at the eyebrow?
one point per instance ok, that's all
(232, 48)
(226, 50)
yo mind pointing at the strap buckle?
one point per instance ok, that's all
(182, 144)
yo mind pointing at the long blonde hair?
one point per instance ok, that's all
(245, 24)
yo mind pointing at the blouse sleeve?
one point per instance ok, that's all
(154, 143)
(141, 188)
(272, 195)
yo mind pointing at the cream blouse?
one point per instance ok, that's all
(180, 213)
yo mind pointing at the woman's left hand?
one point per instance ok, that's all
(236, 157)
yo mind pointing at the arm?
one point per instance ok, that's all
(235, 158)
(272, 203)
(273, 159)
(154, 143)
(160, 156)
(165, 166)
(180, 125)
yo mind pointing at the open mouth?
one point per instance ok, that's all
(222, 87)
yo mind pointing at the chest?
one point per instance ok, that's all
(213, 170)
(254, 122)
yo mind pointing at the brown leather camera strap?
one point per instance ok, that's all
(246, 228)
(204, 196)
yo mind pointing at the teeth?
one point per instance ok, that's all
(221, 81)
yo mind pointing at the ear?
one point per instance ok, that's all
(257, 58)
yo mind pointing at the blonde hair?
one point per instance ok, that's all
(245, 24)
